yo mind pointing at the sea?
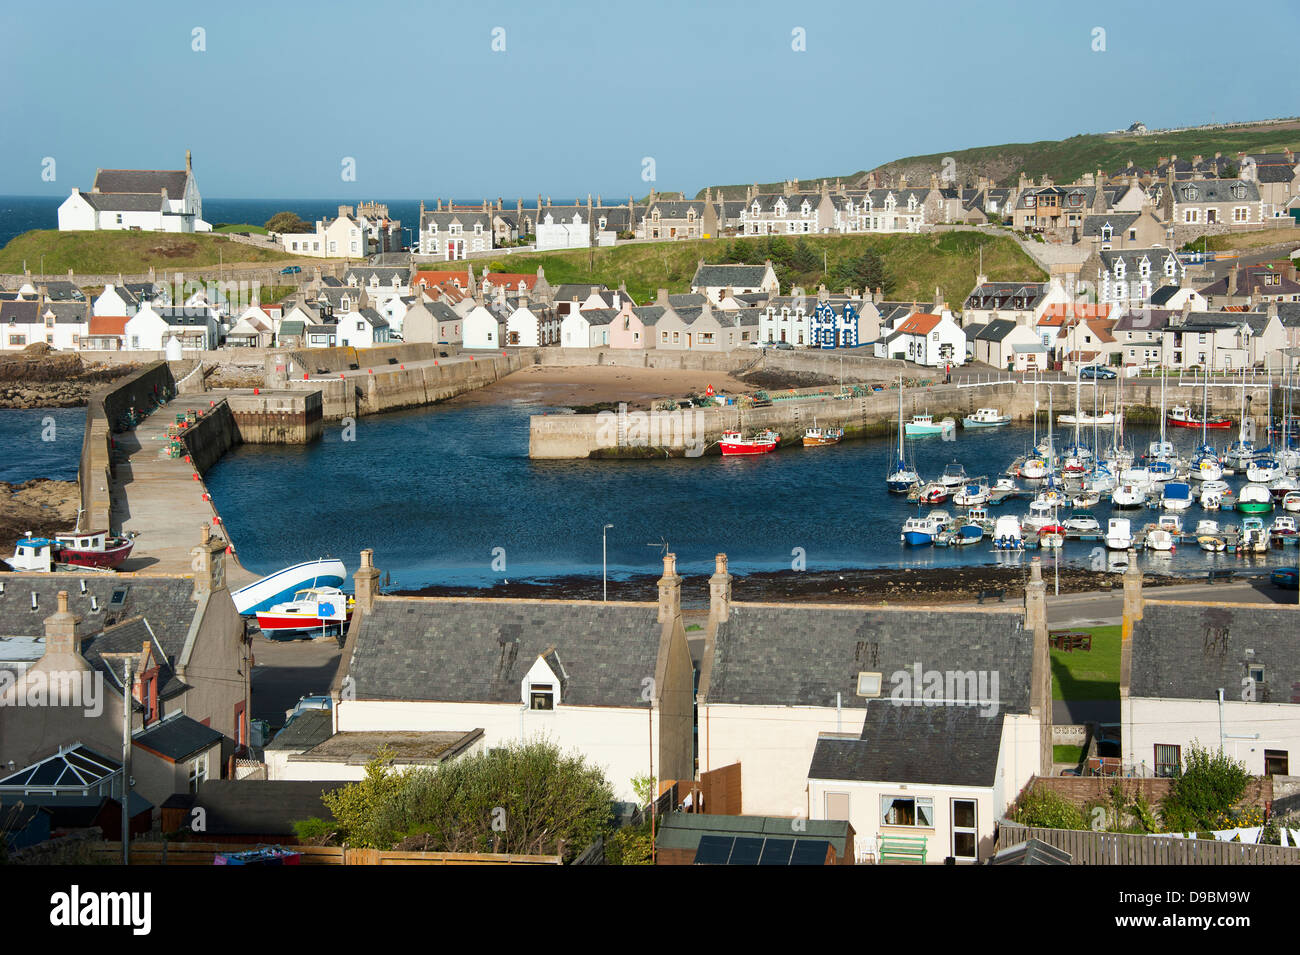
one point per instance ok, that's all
(449, 496)
(19, 214)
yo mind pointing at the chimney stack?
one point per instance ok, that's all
(670, 591)
(366, 582)
(1040, 691)
(720, 590)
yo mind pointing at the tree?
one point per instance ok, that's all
(359, 807)
(804, 258)
(287, 222)
(865, 272)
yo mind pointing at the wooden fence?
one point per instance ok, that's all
(202, 853)
(1117, 848)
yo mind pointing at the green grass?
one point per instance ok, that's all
(1235, 241)
(1088, 675)
(1066, 159)
(107, 252)
(1067, 754)
(240, 227)
(917, 263)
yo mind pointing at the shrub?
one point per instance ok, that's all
(1205, 792)
(1044, 809)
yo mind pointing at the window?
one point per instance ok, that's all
(541, 696)
(1169, 761)
(1241, 214)
(965, 834)
(837, 806)
(907, 811)
(198, 772)
(869, 684)
(1276, 763)
(1192, 215)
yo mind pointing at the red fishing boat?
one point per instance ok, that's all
(1181, 416)
(733, 443)
(91, 548)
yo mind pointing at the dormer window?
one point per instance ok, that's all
(1192, 193)
(1119, 269)
(805, 208)
(1144, 268)
(1239, 190)
(541, 696)
(1169, 266)
(911, 203)
(1106, 232)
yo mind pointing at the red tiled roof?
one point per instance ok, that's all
(108, 324)
(922, 323)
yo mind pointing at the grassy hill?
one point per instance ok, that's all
(106, 252)
(915, 263)
(1066, 159)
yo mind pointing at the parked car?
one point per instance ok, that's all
(1096, 371)
(291, 270)
(1285, 577)
(784, 346)
(319, 702)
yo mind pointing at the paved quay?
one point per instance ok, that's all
(158, 498)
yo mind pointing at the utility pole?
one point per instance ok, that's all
(128, 696)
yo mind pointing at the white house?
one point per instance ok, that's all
(1221, 675)
(926, 339)
(612, 681)
(532, 325)
(897, 713)
(715, 281)
(362, 328)
(482, 327)
(150, 328)
(150, 200)
(123, 299)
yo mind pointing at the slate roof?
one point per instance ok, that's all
(676, 208)
(1250, 281)
(178, 738)
(124, 202)
(22, 311)
(1157, 256)
(1189, 651)
(385, 275)
(570, 292)
(599, 316)
(258, 807)
(480, 650)
(142, 181)
(735, 276)
(649, 314)
(762, 654)
(1031, 852)
(687, 300)
(304, 731)
(996, 330)
(925, 745)
(164, 601)
(183, 314)
(68, 313)
(1002, 294)
(1118, 222)
(1216, 190)
(292, 327)
(63, 291)
(373, 318)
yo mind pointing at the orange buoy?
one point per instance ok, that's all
(215, 519)
(229, 549)
(256, 391)
(196, 475)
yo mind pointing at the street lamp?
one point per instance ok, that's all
(604, 563)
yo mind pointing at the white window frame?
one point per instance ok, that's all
(887, 801)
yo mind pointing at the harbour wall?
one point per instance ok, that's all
(660, 434)
(357, 382)
(281, 417)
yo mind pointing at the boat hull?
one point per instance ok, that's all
(280, 587)
(111, 557)
(1214, 424)
(917, 538)
(281, 623)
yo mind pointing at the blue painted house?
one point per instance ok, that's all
(843, 322)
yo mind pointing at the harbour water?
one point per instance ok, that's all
(40, 443)
(449, 496)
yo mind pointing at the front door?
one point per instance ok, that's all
(965, 834)
(688, 340)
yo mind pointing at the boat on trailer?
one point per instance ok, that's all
(316, 608)
(280, 586)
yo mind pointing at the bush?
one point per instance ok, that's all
(1044, 809)
(1205, 792)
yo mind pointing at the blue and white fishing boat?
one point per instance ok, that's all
(921, 531)
(280, 587)
(986, 418)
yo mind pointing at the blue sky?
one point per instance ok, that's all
(712, 90)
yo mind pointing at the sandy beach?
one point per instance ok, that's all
(567, 386)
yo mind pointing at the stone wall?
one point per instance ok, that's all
(1082, 790)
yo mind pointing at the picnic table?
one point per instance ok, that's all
(1070, 640)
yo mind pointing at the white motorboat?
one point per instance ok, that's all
(1128, 496)
(282, 585)
(1171, 523)
(1291, 502)
(1034, 469)
(1211, 544)
(315, 608)
(1262, 470)
(1007, 534)
(1119, 533)
(1176, 496)
(1082, 522)
(1160, 541)
(919, 531)
(1207, 527)
(986, 418)
(954, 475)
(973, 494)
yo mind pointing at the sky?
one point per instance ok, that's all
(420, 100)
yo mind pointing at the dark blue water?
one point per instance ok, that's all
(436, 492)
(18, 214)
(40, 443)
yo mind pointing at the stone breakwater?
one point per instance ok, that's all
(695, 431)
(38, 378)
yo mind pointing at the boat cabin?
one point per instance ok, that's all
(33, 553)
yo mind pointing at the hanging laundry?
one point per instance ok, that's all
(1251, 836)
